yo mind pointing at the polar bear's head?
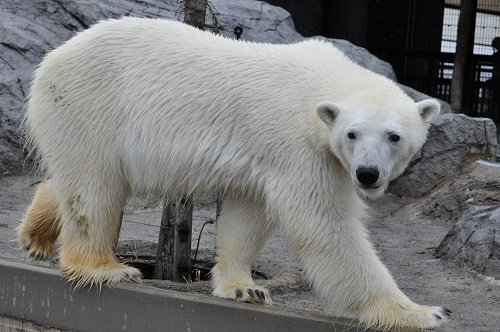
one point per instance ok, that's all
(375, 138)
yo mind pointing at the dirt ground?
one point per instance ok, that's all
(405, 233)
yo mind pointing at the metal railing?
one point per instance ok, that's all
(431, 73)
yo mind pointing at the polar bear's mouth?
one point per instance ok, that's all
(369, 186)
(370, 192)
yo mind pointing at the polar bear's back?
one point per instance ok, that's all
(120, 65)
(141, 95)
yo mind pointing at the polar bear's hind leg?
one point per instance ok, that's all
(90, 225)
(39, 229)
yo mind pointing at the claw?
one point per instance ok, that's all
(446, 312)
(35, 255)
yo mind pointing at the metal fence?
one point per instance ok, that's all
(482, 89)
(482, 95)
(431, 72)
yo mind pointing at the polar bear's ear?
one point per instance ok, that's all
(429, 109)
(327, 112)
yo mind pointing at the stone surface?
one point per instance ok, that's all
(475, 240)
(453, 141)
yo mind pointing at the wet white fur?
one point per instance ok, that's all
(155, 107)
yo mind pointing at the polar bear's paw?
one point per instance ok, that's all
(109, 275)
(96, 272)
(35, 247)
(411, 316)
(243, 293)
(39, 230)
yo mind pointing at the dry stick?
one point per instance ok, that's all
(173, 259)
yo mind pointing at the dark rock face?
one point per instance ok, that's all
(475, 241)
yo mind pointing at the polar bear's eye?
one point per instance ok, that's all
(394, 138)
(351, 135)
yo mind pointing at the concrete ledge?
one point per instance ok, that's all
(40, 295)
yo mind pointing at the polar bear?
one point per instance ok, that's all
(294, 135)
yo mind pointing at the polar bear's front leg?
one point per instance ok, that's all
(346, 272)
(241, 232)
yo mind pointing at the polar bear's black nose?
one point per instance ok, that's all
(367, 175)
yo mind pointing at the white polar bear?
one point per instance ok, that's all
(293, 134)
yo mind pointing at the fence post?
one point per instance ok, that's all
(463, 54)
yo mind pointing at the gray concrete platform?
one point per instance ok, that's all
(40, 295)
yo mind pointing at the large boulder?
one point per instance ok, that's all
(29, 29)
(475, 241)
(454, 140)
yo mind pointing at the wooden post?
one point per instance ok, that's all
(182, 240)
(164, 267)
(463, 54)
(173, 258)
